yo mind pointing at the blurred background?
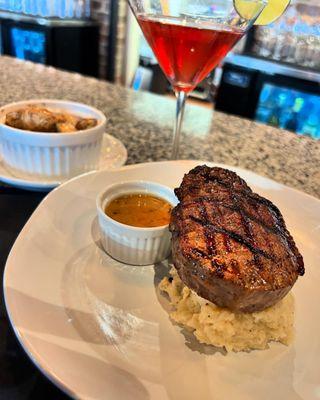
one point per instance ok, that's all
(272, 76)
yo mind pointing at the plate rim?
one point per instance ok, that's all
(25, 343)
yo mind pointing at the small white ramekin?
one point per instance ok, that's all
(52, 155)
(129, 244)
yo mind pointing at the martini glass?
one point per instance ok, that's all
(190, 38)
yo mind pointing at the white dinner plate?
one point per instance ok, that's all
(99, 329)
(113, 155)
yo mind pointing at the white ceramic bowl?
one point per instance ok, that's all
(129, 244)
(52, 155)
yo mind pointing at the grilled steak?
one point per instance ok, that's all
(230, 245)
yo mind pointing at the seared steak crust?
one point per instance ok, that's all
(230, 245)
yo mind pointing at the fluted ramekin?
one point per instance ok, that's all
(52, 155)
(129, 244)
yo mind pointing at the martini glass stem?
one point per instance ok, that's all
(181, 102)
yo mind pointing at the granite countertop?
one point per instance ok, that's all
(143, 121)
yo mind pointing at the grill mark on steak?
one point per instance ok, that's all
(276, 230)
(209, 239)
(245, 191)
(233, 235)
(218, 267)
(215, 179)
(226, 241)
(247, 227)
(271, 229)
(199, 253)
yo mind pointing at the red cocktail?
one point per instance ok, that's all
(187, 53)
(191, 37)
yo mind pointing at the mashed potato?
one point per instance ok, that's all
(223, 328)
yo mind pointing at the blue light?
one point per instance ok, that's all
(28, 45)
(291, 109)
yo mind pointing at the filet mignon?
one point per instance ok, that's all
(230, 245)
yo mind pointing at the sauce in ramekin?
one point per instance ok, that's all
(139, 210)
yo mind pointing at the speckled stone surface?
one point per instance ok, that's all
(143, 122)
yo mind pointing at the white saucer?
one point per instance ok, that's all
(113, 155)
